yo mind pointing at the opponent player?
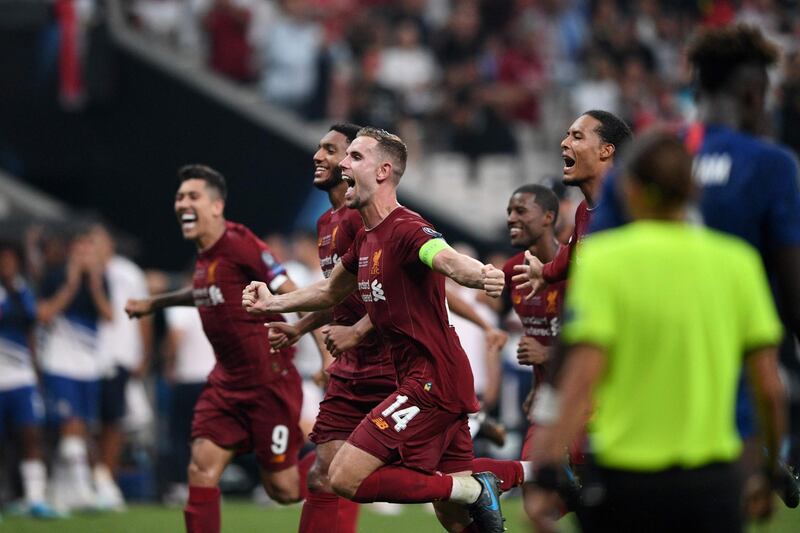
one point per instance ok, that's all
(749, 186)
(20, 402)
(253, 397)
(393, 264)
(588, 150)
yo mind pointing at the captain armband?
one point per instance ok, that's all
(430, 249)
(546, 406)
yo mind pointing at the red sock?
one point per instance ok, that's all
(202, 510)
(397, 484)
(348, 516)
(303, 467)
(320, 513)
(509, 473)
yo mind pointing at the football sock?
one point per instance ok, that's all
(34, 480)
(303, 467)
(397, 484)
(72, 452)
(320, 513)
(510, 473)
(202, 512)
(466, 490)
(348, 516)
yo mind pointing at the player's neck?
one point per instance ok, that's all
(719, 110)
(377, 210)
(207, 240)
(545, 247)
(336, 196)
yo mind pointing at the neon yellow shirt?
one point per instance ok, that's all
(675, 307)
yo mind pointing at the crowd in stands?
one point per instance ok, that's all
(468, 75)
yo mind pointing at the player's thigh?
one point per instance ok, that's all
(350, 467)
(325, 454)
(207, 463)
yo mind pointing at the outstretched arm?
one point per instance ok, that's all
(324, 294)
(146, 306)
(463, 269)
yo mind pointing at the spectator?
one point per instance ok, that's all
(74, 298)
(124, 345)
(230, 54)
(290, 57)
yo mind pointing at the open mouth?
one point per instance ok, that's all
(568, 162)
(188, 220)
(319, 171)
(514, 232)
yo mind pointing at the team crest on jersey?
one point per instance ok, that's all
(376, 263)
(212, 272)
(517, 299)
(333, 236)
(552, 302)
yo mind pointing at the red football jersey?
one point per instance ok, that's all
(335, 233)
(406, 303)
(540, 316)
(240, 343)
(557, 269)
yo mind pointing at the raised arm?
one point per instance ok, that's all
(324, 294)
(146, 306)
(463, 269)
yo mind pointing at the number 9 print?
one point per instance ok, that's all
(403, 416)
(280, 439)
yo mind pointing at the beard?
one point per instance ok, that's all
(333, 180)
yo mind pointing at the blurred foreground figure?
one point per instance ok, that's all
(662, 373)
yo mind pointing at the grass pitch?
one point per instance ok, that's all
(245, 517)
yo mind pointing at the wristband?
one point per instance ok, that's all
(546, 406)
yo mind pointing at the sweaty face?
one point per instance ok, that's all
(196, 206)
(581, 151)
(359, 171)
(330, 153)
(525, 219)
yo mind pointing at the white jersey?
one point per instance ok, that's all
(120, 339)
(194, 357)
(69, 349)
(473, 338)
(17, 313)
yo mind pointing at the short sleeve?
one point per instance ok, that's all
(760, 325)
(589, 315)
(783, 205)
(264, 266)
(411, 236)
(350, 258)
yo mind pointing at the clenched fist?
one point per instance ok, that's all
(138, 308)
(256, 298)
(493, 280)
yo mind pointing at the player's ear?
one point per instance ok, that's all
(217, 207)
(549, 217)
(385, 171)
(607, 151)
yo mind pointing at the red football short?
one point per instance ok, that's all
(265, 421)
(407, 427)
(346, 403)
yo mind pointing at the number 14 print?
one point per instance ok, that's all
(403, 416)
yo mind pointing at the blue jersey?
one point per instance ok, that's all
(749, 186)
(17, 319)
(750, 189)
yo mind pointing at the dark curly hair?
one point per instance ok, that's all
(717, 53)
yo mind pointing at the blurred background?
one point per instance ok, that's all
(102, 100)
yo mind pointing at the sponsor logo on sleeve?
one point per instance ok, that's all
(268, 259)
(432, 232)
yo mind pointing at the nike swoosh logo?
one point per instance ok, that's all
(495, 505)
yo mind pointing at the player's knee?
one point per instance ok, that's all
(200, 475)
(318, 480)
(283, 493)
(342, 484)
